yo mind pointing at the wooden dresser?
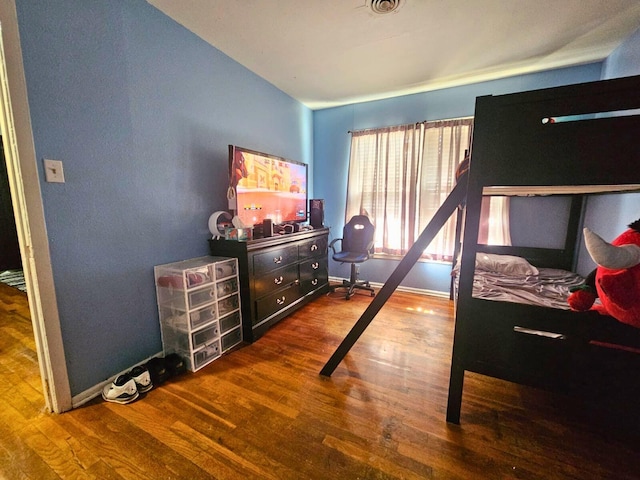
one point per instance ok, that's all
(277, 275)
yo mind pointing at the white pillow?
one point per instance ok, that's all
(504, 264)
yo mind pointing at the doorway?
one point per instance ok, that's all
(9, 247)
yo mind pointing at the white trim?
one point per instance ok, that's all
(400, 288)
(15, 123)
(90, 393)
(530, 191)
(96, 390)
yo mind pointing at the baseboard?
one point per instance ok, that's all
(96, 390)
(418, 291)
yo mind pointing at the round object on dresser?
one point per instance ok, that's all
(217, 220)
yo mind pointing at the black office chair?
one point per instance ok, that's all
(356, 247)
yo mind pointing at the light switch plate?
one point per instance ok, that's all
(53, 171)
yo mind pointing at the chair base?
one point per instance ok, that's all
(354, 284)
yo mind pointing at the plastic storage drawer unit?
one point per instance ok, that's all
(199, 308)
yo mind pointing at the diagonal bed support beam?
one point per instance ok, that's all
(455, 198)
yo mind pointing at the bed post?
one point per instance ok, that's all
(456, 382)
(455, 198)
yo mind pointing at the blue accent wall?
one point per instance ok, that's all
(332, 143)
(624, 61)
(140, 111)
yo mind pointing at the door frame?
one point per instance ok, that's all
(24, 183)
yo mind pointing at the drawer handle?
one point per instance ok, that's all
(314, 247)
(315, 265)
(314, 282)
(540, 333)
(278, 281)
(280, 301)
(277, 259)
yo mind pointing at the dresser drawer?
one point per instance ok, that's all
(226, 287)
(230, 322)
(204, 336)
(275, 280)
(228, 305)
(231, 339)
(184, 279)
(275, 302)
(313, 274)
(312, 248)
(541, 356)
(272, 259)
(226, 269)
(186, 321)
(202, 316)
(201, 297)
(205, 355)
(538, 356)
(184, 299)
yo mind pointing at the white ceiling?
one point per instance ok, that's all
(332, 52)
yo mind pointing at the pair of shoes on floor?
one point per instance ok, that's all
(127, 387)
(163, 368)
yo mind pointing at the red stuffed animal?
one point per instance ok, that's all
(616, 280)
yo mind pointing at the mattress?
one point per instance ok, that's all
(508, 278)
(549, 288)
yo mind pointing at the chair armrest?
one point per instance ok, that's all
(370, 248)
(333, 242)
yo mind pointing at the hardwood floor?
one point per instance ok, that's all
(264, 412)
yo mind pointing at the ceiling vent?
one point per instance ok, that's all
(381, 7)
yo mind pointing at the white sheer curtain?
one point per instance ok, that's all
(399, 176)
(494, 221)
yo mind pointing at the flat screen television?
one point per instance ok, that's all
(267, 186)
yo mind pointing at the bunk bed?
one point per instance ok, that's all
(576, 140)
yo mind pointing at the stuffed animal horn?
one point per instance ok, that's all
(610, 256)
(617, 277)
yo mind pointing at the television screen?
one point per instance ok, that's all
(267, 186)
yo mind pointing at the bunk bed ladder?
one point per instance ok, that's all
(451, 203)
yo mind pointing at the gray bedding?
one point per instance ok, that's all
(549, 288)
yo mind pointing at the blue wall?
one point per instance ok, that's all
(624, 61)
(332, 142)
(141, 112)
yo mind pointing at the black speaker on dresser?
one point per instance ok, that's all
(316, 212)
(267, 227)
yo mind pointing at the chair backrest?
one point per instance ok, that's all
(357, 234)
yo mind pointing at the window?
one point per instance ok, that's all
(399, 176)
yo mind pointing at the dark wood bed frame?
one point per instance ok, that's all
(513, 145)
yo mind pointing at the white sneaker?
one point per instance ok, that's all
(123, 390)
(141, 376)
